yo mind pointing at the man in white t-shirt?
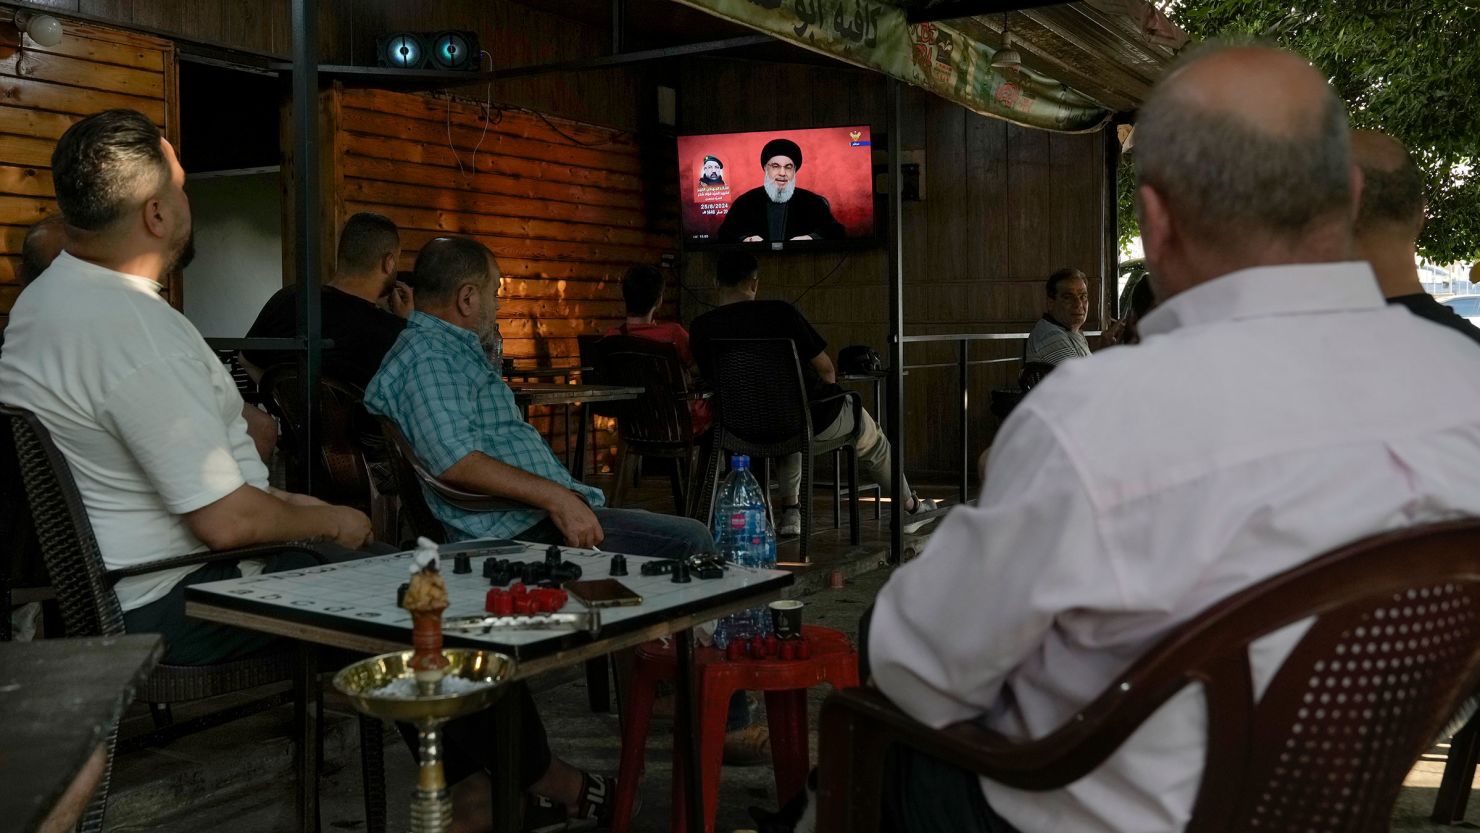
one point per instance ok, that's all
(148, 419)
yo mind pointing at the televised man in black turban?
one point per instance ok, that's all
(712, 175)
(779, 210)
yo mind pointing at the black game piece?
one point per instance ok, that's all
(618, 565)
(553, 556)
(566, 571)
(401, 594)
(657, 568)
(462, 563)
(681, 572)
(490, 566)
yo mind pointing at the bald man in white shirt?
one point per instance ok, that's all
(1258, 424)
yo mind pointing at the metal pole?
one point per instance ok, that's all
(306, 219)
(962, 372)
(895, 428)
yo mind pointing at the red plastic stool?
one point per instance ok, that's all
(832, 660)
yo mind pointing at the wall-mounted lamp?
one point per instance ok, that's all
(44, 29)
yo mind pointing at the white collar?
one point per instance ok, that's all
(1290, 289)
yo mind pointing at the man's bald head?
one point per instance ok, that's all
(44, 241)
(1392, 187)
(1246, 145)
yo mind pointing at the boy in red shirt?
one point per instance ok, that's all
(642, 291)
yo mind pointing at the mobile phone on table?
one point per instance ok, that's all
(603, 592)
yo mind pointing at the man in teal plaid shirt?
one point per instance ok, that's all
(439, 387)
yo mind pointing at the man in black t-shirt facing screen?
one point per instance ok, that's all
(350, 305)
(740, 315)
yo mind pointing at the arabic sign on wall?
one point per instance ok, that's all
(876, 35)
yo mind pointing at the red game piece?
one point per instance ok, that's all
(788, 650)
(518, 588)
(523, 604)
(771, 645)
(503, 605)
(804, 650)
(735, 651)
(757, 647)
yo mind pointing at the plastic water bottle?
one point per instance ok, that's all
(745, 537)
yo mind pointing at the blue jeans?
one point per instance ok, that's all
(635, 532)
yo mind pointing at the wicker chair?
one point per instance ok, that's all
(1394, 647)
(656, 424)
(762, 410)
(89, 607)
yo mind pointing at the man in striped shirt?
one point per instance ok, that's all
(1056, 336)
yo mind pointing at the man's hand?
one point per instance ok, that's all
(576, 521)
(400, 300)
(1112, 334)
(754, 238)
(351, 527)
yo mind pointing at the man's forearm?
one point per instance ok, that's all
(251, 516)
(480, 473)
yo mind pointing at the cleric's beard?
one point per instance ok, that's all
(780, 194)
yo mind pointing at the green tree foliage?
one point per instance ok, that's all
(1410, 68)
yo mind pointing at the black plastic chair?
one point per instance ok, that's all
(656, 424)
(89, 607)
(762, 410)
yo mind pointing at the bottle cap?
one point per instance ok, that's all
(740, 461)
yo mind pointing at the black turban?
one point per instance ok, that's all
(715, 160)
(781, 147)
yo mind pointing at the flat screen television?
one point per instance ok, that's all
(796, 187)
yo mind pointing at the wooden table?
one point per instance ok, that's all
(61, 700)
(351, 606)
(546, 393)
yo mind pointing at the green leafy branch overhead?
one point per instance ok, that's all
(1410, 69)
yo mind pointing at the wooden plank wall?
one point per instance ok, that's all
(46, 90)
(565, 207)
(1004, 206)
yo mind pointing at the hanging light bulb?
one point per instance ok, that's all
(1007, 58)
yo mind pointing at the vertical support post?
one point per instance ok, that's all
(306, 220)
(895, 237)
(619, 26)
(308, 719)
(963, 371)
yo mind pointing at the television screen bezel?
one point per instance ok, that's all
(872, 240)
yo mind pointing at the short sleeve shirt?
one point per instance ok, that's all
(1051, 343)
(148, 418)
(362, 332)
(768, 319)
(438, 386)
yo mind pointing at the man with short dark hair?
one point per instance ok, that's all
(778, 209)
(740, 315)
(712, 173)
(146, 415)
(363, 308)
(1281, 410)
(1389, 222)
(642, 294)
(1057, 337)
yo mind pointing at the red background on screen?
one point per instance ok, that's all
(831, 166)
